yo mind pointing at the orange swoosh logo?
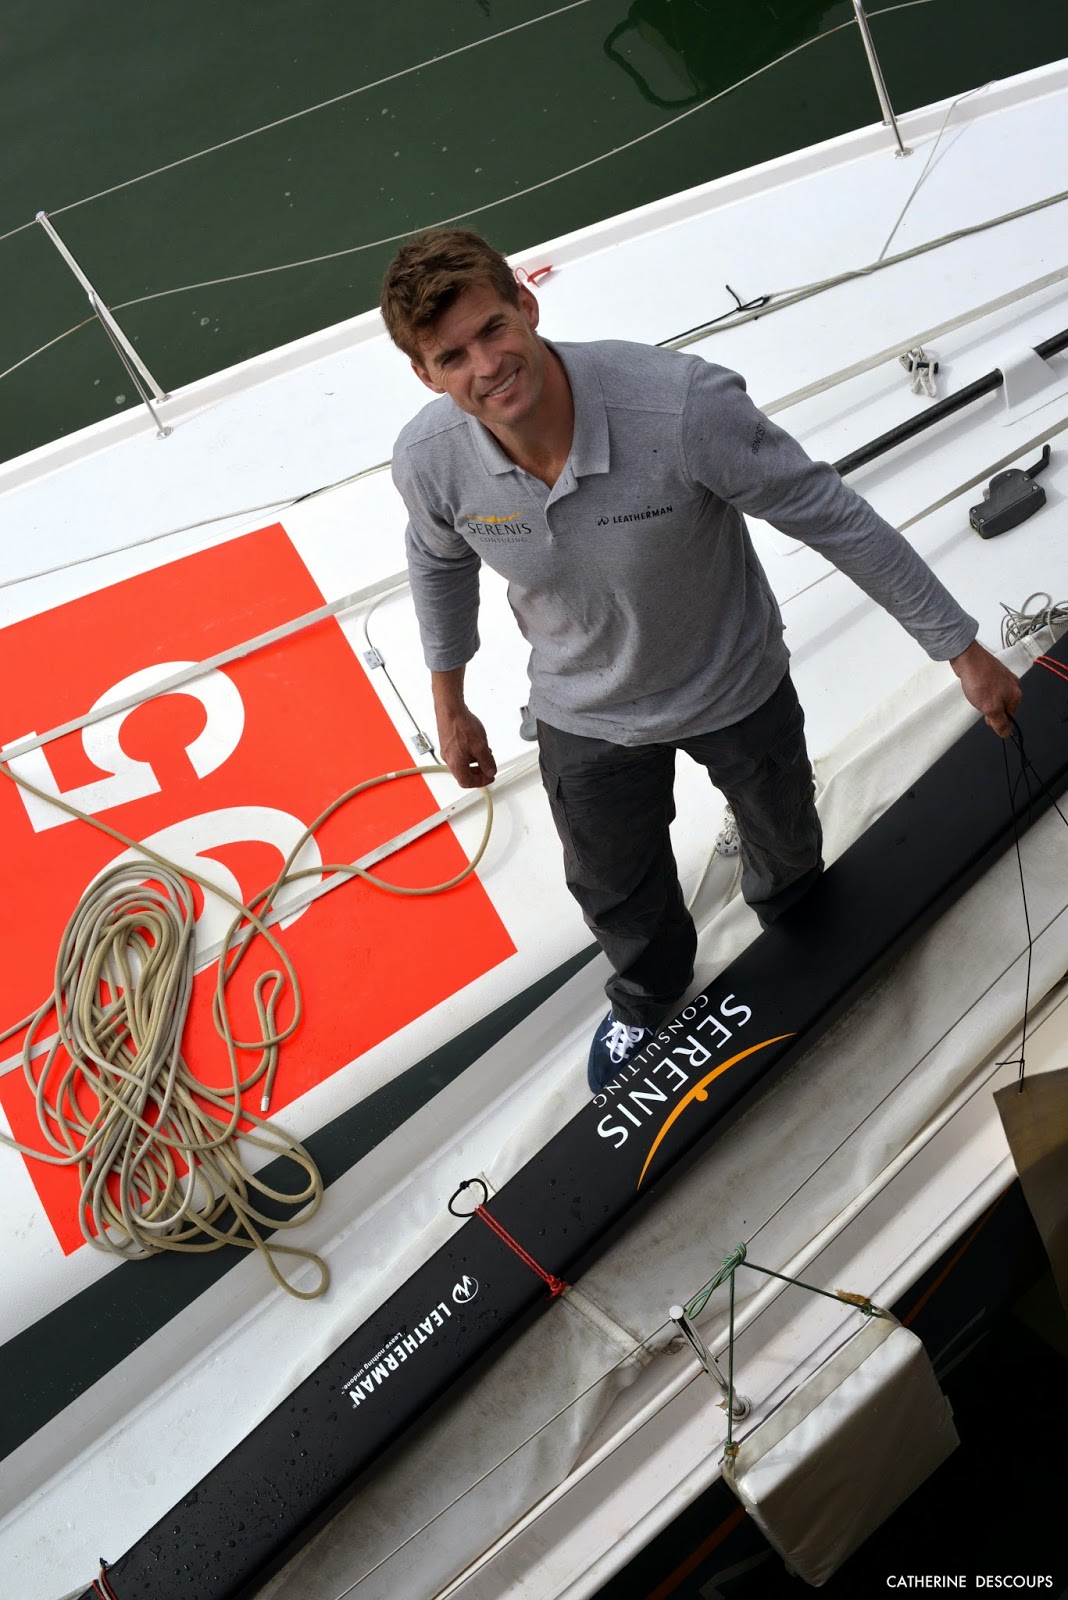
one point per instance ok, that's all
(700, 1092)
(511, 517)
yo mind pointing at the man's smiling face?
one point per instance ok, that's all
(486, 356)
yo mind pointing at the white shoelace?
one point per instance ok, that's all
(619, 1039)
(727, 840)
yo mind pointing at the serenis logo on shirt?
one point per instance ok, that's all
(486, 523)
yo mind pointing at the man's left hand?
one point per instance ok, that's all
(989, 686)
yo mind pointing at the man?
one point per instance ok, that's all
(606, 482)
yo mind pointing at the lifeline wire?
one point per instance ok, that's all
(1059, 614)
(640, 1345)
(121, 993)
(294, 116)
(782, 299)
(700, 1299)
(1023, 777)
(749, 311)
(41, 348)
(284, 504)
(760, 306)
(917, 186)
(403, 72)
(489, 205)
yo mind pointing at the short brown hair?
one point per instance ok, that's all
(428, 273)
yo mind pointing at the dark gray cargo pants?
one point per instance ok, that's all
(613, 805)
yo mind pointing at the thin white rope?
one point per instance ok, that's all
(904, 5)
(43, 347)
(783, 299)
(771, 408)
(1021, 626)
(517, 194)
(122, 987)
(223, 658)
(867, 363)
(364, 88)
(190, 527)
(638, 1346)
(11, 232)
(321, 105)
(917, 186)
(206, 956)
(393, 238)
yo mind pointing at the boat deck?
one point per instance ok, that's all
(114, 516)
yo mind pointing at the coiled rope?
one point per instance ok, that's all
(156, 1148)
(1038, 614)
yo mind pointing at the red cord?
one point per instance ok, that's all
(555, 1285)
(1056, 667)
(534, 276)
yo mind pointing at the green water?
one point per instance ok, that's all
(94, 96)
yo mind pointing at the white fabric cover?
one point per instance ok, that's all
(845, 1450)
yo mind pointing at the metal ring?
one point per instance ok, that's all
(469, 1183)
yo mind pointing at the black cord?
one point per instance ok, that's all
(1023, 777)
(740, 305)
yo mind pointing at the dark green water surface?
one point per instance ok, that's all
(93, 96)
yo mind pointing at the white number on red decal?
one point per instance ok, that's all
(127, 778)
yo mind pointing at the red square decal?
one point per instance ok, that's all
(233, 768)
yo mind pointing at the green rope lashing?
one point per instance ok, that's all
(732, 1448)
(694, 1307)
(739, 1258)
(860, 1302)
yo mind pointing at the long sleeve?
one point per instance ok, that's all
(742, 456)
(443, 570)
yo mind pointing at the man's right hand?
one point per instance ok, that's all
(461, 737)
(465, 750)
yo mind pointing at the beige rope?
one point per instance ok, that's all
(123, 983)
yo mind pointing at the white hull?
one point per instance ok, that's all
(869, 1158)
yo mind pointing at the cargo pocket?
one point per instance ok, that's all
(555, 793)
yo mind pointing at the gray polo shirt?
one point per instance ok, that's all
(634, 579)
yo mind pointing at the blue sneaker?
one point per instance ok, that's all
(613, 1045)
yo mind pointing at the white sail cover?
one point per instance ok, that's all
(844, 1452)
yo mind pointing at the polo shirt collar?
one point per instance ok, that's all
(589, 446)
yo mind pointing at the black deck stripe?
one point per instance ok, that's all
(766, 1009)
(60, 1355)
